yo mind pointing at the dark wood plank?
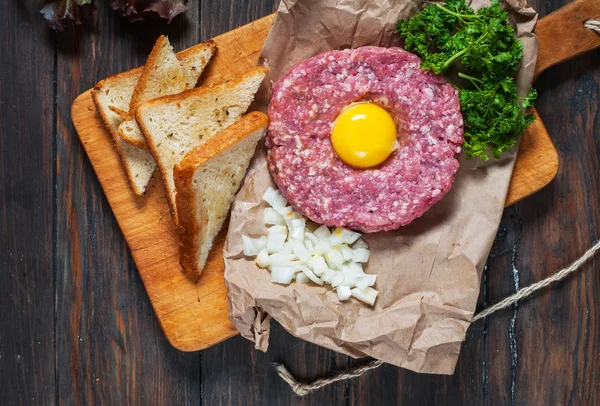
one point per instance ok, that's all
(545, 351)
(110, 349)
(26, 219)
(559, 330)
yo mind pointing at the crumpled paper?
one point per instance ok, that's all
(428, 272)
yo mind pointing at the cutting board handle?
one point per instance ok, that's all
(563, 36)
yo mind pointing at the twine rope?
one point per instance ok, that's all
(303, 388)
(593, 25)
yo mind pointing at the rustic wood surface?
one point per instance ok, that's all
(192, 312)
(77, 325)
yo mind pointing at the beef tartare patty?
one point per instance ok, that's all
(317, 183)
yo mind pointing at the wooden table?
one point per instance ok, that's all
(77, 326)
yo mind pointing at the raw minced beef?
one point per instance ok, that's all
(304, 105)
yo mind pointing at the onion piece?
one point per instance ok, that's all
(337, 279)
(322, 233)
(296, 227)
(279, 259)
(317, 264)
(309, 246)
(343, 293)
(360, 243)
(347, 252)
(367, 295)
(282, 274)
(310, 275)
(252, 246)
(276, 238)
(343, 235)
(301, 277)
(311, 237)
(334, 258)
(328, 275)
(366, 281)
(355, 268)
(272, 217)
(322, 247)
(274, 198)
(299, 249)
(361, 255)
(262, 259)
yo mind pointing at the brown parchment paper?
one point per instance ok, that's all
(428, 272)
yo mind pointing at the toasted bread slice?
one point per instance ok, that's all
(112, 97)
(207, 180)
(116, 91)
(162, 75)
(174, 125)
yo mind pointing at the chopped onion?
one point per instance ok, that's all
(262, 259)
(337, 279)
(282, 274)
(311, 275)
(350, 279)
(355, 268)
(280, 259)
(343, 293)
(296, 227)
(343, 235)
(274, 198)
(252, 246)
(347, 252)
(360, 243)
(328, 275)
(311, 237)
(367, 295)
(366, 281)
(300, 250)
(276, 238)
(309, 246)
(334, 258)
(322, 247)
(301, 277)
(317, 264)
(273, 217)
(361, 255)
(322, 233)
(292, 252)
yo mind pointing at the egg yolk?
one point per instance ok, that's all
(363, 135)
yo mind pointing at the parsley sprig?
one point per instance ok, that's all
(483, 49)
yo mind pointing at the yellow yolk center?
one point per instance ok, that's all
(363, 135)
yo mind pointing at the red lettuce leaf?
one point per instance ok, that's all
(57, 13)
(137, 10)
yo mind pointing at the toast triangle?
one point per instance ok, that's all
(112, 97)
(174, 125)
(207, 180)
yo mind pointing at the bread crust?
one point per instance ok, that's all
(114, 134)
(125, 75)
(151, 62)
(188, 225)
(139, 111)
(210, 44)
(133, 141)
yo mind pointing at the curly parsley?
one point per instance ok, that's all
(483, 48)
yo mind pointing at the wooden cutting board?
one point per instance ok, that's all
(192, 312)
